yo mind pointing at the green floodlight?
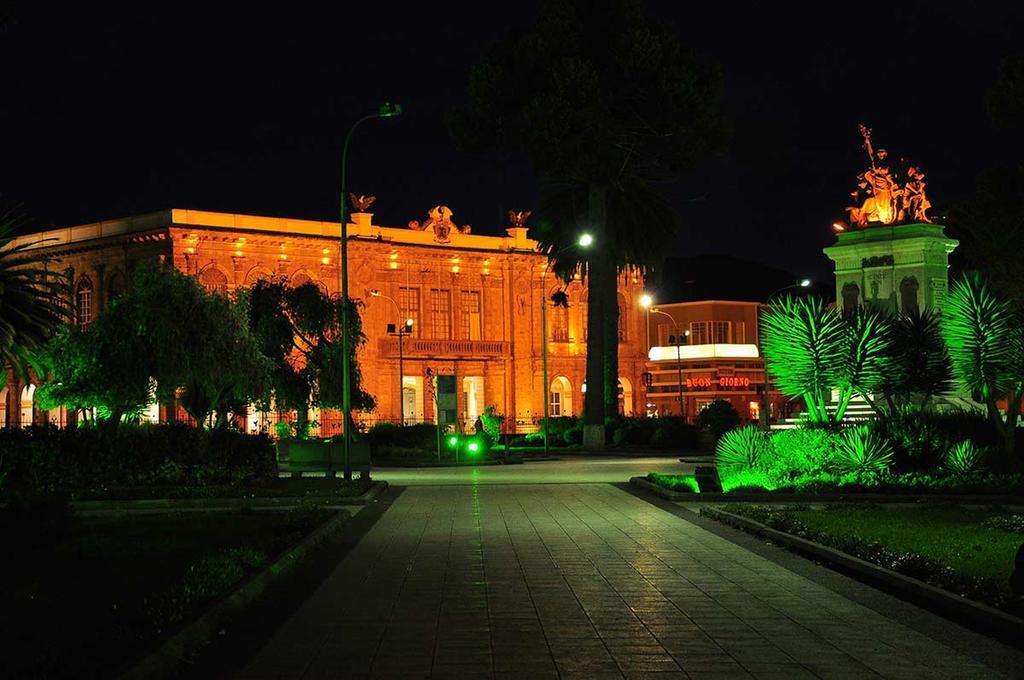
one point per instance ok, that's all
(474, 446)
(453, 441)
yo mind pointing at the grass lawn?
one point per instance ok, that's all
(951, 535)
(84, 604)
(949, 546)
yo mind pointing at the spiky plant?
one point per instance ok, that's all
(862, 451)
(740, 449)
(986, 350)
(964, 458)
(804, 343)
(920, 367)
(32, 303)
(867, 355)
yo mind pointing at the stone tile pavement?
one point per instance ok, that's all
(580, 581)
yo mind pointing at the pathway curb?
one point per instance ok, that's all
(974, 615)
(175, 649)
(228, 503)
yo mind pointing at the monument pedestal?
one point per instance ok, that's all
(902, 268)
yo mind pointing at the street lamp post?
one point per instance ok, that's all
(402, 329)
(584, 241)
(645, 302)
(387, 110)
(763, 415)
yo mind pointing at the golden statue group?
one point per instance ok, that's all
(881, 198)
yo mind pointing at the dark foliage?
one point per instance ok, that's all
(43, 460)
(718, 417)
(421, 436)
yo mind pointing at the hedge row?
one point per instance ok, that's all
(45, 459)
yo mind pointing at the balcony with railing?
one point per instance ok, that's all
(434, 347)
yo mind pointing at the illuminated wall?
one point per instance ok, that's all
(476, 300)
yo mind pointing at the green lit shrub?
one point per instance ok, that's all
(717, 418)
(863, 451)
(804, 451)
(678, 483)
(746, 480)
(740, 449)
(964, 458)
(492, 421)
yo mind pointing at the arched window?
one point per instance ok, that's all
(851, 297)
(3, 408)
(908, 295)
(27, 404)
(625, 397)
(301, 279)
(256, 274)
(558, 315)
(560, 396)
(214, 280)
(115, 286)
(83, 302)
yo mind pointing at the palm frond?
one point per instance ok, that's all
(980, 330)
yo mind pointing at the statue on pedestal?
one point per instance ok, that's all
(881, 198)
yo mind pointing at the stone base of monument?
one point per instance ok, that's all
(593, 437)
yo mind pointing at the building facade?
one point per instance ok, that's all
(705, 351)
(474, 300)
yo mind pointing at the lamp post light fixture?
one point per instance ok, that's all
(401, 329)
(584, 241)
(765, 405)
(645, 301)
(386, 110)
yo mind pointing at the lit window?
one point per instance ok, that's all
(214, 280)
(469, 315)
(699, 333)
(440, 313)
(409, 302)
(83, 303)
(555, 408)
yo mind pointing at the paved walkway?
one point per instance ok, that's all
(587, 581)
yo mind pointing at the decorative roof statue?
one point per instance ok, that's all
(361, 203)
(881, 198)
(518, 219)
(440, 222)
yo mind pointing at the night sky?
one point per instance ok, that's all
(105, 113)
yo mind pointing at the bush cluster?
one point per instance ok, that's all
(422, 436)
(42, 460)
(860, 457)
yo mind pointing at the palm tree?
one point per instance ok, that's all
(606, 102)
(32, 302)
(986, 350)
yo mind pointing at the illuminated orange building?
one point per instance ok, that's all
(709, 349)
(475, 302)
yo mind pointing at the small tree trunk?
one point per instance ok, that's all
(593, 400)
(610, 296)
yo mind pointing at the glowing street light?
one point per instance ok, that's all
(585, 240)
(646, 301)
(386, 110)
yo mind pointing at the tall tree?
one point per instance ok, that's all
(138, 349)
(32, 300)
(299, 330)
(605, 102)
